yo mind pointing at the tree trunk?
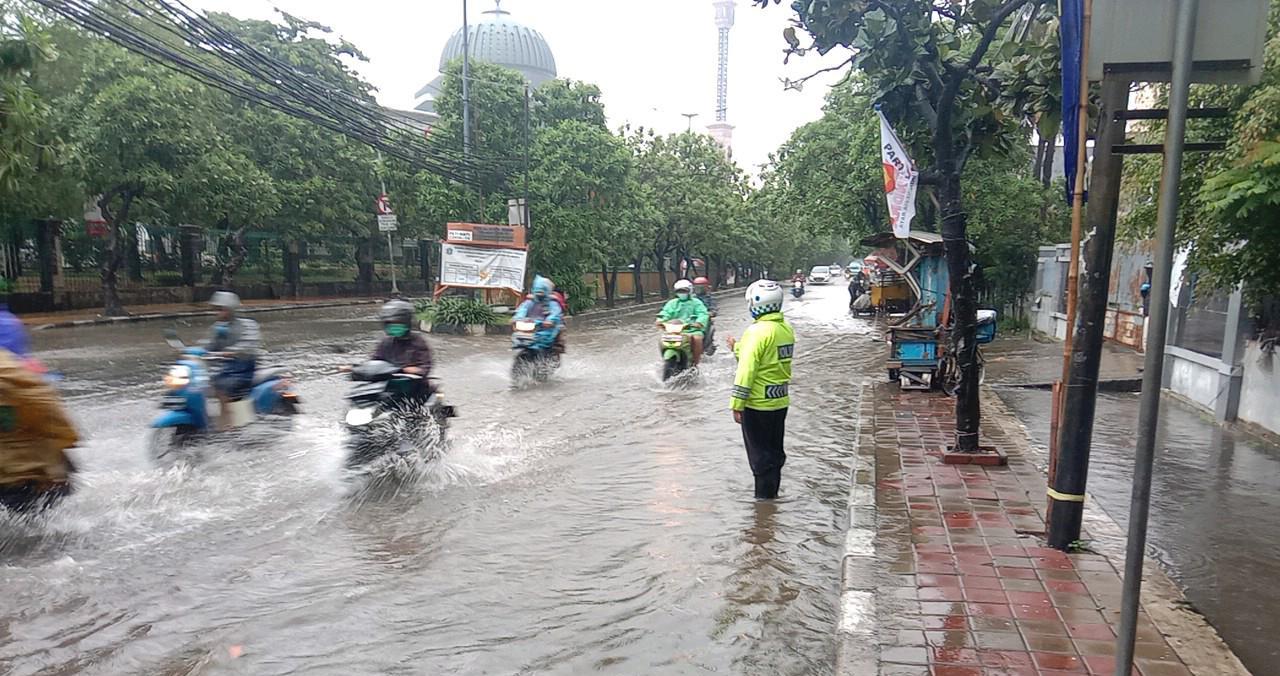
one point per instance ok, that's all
(662, 272)
(132, 256)
(1046, 177)
(1037, 167)
(113, 256)
(608, 285)
(636, 269)
(364, 265)
(237, 252)
(293, 266)
(963, 336)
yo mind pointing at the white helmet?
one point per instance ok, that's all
(225, 300)
(763, 297)
(683, 285)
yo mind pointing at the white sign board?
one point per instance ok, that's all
(1135, 37)
(481, 267)
(387, 223)
(459, 235)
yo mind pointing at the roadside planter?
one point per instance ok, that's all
(462, 316)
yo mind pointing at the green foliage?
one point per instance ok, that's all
(1229, 202)
(458, 311)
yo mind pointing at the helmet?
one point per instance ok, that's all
(225, 300)
(683, 285)
(799, 271)
(542, 286)
(763, 297)
(396, 312)
(701, 281)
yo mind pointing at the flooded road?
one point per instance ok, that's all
(1215, 506)
(600, 523)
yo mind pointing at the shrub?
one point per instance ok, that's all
(458, 311)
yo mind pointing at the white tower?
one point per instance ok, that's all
(722, 131)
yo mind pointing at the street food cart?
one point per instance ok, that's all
(918, 353)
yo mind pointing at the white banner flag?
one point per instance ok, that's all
(482, 267)
(900, 179)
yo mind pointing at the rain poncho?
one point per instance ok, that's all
(34, 430)
(688, 310)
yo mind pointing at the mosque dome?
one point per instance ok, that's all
(500, 41)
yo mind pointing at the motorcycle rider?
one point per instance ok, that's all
(689, 310)
(239, 340)
(760, 388)
(543, 307)
(35, 431)
(402, 346)
(702, 291)
(855, 288)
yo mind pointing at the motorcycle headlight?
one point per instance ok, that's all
(359, 417)
(178, 377)
(525, 326)
(673, 327)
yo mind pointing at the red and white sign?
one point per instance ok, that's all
(382, 206)
(95, 225)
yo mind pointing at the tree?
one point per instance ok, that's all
(577, 186)
(697, 192)
(928, 65)
(144, 139)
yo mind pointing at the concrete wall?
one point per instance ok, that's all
(1260, 390)
(1194, 376)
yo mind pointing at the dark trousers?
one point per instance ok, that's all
(763, 432)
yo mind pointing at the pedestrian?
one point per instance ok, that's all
(760, 389)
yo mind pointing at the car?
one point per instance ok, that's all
(820, 274)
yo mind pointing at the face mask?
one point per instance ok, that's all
(683, 295)
(540, 296)
(397, 330)
(223, 328)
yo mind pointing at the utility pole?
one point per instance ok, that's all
(1153, 371)
(690, 117)
(1070, 468)
(391, 250)
(466, 84)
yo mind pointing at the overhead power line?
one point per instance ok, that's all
(178, 37)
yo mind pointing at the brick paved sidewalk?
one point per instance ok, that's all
(965, 587)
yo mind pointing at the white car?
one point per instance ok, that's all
(820, 274)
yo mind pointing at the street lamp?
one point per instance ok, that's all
(690, 117)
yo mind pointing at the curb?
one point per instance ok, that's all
(857, 650)
(195, 313)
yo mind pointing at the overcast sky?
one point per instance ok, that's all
(654, 59)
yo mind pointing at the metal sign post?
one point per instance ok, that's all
(1153, 371)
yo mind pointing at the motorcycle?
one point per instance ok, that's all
(384, 404)
(536, 356)
(797, 289)
(187, 393)
(34, 495)
(677, 349)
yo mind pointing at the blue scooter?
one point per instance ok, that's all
(537, 356)
(187, 392)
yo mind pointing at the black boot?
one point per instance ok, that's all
(767, 485)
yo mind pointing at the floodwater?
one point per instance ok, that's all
(602, 522)
(1215, 505)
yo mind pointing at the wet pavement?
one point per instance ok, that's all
(1215, 504)
(600, 523)
(968, 587)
